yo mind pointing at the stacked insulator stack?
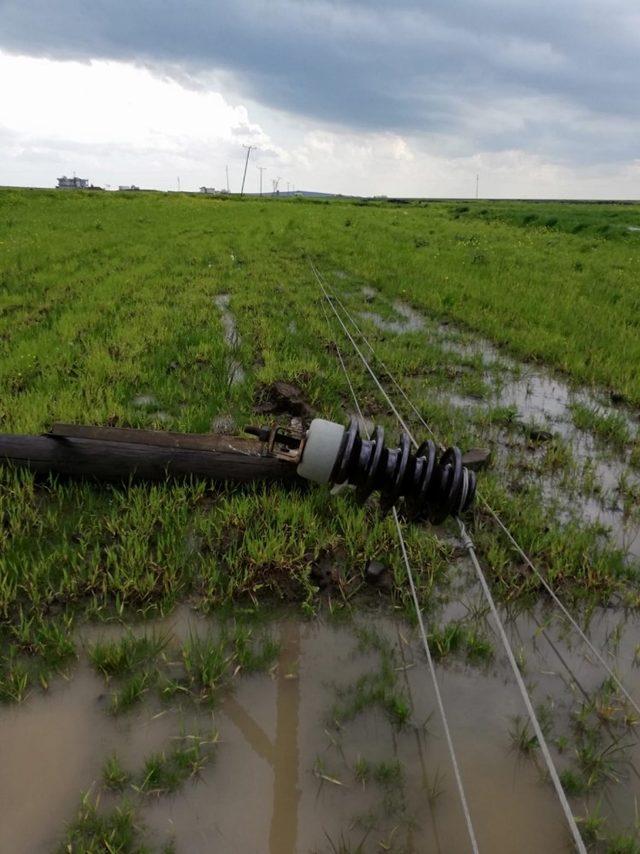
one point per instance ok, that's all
(424, 484)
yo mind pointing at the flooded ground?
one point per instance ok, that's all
(337, 746)
(409, 319)
(312, 757)
(531, 415)
(235, 371)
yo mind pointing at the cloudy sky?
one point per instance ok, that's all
(396, 97)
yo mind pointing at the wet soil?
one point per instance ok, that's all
(283, 397)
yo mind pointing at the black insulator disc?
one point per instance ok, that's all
(397, 469)
(350, 440)
(396, 487)
(427, 453)
(471, 492)
(374, 465)
(450, 486)
(423, 482)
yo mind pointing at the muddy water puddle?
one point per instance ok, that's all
(303, 763)
(53, 748)
(541, 402)
(408, 319)
(235, 371)
(546, 403)
(536, 395)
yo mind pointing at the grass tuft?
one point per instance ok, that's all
(121, 657)
(114, 775)
(206, 661)
(610, 427)
(94, 832)
(166, 772)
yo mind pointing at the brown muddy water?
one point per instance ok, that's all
(284, 775)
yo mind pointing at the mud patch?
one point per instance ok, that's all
(283, 397)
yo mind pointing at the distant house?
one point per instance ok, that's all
(128, 187)
(74, 183)
(210, 191)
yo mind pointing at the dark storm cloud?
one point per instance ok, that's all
(500, 73)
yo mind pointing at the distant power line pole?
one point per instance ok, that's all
(276, 183)
(261, 169)
(178, 183)
(246, 163)
(227, 169)
(477, 183)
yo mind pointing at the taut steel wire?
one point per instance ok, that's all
(470, 547)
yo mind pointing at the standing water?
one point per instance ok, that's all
(337, 746)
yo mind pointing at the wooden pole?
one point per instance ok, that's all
(114, 454)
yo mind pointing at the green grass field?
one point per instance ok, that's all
(108, 316)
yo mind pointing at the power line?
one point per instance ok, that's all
(498, 521)
(547, 586)
(467, 542)
(423, 633)
(469, 545)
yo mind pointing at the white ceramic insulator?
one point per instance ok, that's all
(320, 450)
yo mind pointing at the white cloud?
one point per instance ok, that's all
(116, 122)
(111, 102)
(107, 115)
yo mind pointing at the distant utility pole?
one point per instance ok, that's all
(178, 183)
(246, 163)
(477, 183)
(261, 169)
(227, 168)
(276, 183)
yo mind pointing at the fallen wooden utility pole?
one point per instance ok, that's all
(121, 454)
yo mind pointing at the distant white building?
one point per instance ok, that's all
(128, 187)
(210, 191)
(74, 183)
